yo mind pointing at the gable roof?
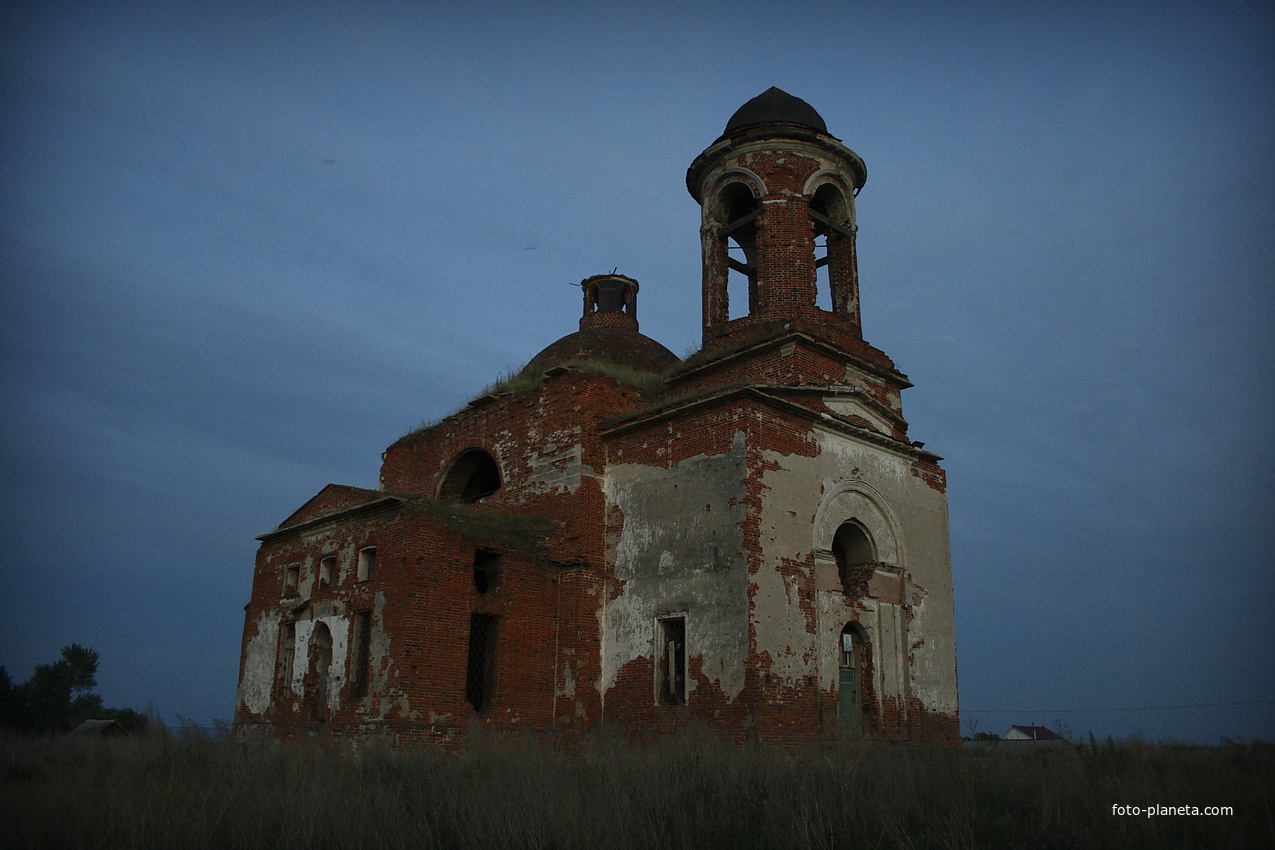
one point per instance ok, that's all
(332, 499)
(101, 728)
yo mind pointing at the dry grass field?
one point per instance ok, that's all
(173, 792)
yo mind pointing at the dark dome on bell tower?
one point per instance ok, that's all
(775, 106)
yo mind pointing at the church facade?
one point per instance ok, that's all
(746, 541)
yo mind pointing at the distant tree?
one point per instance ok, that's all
(9, 710)
(59, 696)
(987, 736)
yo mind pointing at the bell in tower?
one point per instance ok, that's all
(777, 193)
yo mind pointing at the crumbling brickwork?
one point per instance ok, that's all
(746, 542)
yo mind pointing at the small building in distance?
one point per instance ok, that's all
(1032, 733)
(98, 729)
(746, 541)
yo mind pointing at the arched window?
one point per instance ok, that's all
(473, 475)
(320, 667)
(737, 209)
(855, 554)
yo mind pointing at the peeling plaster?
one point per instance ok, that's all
(681, 550)
(779, 625)
(556, 473)
(257, 679)
(339, 627)
(907, 522)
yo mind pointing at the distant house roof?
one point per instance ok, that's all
(97, 729)
(1031, 733)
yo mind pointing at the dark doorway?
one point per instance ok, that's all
(850, 688)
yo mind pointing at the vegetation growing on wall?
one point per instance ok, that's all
(504, 530)
(512, 382)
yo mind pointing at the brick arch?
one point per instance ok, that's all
(472, 475)
(859, 501)
(830, 176)
(727, 176)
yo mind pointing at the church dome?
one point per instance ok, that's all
(608, 332)
(619, 346)
(775, 106)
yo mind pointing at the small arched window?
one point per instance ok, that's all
(473, 475)
(855, 554)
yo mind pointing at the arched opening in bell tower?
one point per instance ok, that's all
(836, 276)
(737, 209)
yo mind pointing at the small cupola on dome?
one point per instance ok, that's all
(775, 106)
(608, 331)
(610, 300)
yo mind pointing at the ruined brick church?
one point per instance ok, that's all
(745, 542)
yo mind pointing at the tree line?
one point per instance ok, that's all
(59, 696)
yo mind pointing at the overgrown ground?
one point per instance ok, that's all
(167, 792)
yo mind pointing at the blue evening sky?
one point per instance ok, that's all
(245, 246)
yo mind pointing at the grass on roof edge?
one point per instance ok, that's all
(513, 382)
(522, 532)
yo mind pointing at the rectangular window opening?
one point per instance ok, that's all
(367, 563)
(480, 678)
(291, 579)
(670, 662)
(327, 569)
(362, 652)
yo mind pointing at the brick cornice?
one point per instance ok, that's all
(754, 349)
(770, 398)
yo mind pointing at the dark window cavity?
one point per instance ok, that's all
(486, 570)
(362, 652)
(480, 673)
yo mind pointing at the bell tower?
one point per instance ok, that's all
(777, 193)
